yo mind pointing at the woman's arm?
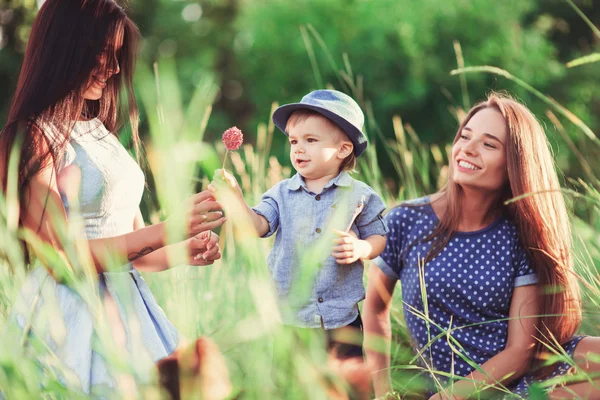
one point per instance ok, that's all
(44, 215)
(202, 249)
(138, 220)
(515, 360)
(377, 326)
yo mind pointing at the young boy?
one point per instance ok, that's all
(325, 134)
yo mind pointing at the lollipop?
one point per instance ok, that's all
(232, 139)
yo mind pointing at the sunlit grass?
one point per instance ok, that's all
(234, 302)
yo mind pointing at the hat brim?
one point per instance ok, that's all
(356, 136)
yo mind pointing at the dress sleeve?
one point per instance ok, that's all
(525, 274)
(390, 261)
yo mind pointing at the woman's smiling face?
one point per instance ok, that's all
(479, 152)
(104, 70)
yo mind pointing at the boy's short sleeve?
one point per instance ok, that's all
(370, 221)
(525, 274)
(390, 261)
(269, 208)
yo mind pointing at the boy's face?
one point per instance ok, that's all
(317, 148)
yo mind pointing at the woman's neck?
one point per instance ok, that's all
(477, 209)
(87, 114)
(85, 117)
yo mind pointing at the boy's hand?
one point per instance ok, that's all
(348, 248)
(223, 178)
(222, 186)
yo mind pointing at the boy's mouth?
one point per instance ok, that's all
(302, 163)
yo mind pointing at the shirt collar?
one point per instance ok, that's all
(297, 181)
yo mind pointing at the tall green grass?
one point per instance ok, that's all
(233, 302)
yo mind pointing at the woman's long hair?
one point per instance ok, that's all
(70, 41)
(540, 216)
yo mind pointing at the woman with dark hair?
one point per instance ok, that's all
(62, 124)
(488, 286)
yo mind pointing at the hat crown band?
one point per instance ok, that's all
(340, 108)
(337, 102)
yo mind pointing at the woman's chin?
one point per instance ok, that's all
(469, 184)
(92, 95)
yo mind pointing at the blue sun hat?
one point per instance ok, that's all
(340, 108)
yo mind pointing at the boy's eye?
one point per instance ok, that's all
(311, 140)
(293, 141)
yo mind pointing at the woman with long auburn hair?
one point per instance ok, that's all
(62, 127)
(487, 283)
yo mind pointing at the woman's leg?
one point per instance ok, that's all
(585, 390)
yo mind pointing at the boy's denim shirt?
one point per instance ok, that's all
(314, 290)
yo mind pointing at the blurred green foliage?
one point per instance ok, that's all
(402, 50)
(396, 56)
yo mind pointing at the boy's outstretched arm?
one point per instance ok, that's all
(348, 248)
(223, 182)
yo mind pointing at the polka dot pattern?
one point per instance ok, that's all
(467, 287)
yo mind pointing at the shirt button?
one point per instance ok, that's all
(320, 300)
(318, 197)
(318, 230)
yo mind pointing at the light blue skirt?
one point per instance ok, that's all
(82, 352)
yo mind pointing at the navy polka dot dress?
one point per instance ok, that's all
(465, 290)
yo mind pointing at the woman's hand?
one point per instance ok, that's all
(348, 248)
(201, 212)
(203, 249)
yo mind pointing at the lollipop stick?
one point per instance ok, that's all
(357, 211)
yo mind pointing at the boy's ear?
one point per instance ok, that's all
(346, 148)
